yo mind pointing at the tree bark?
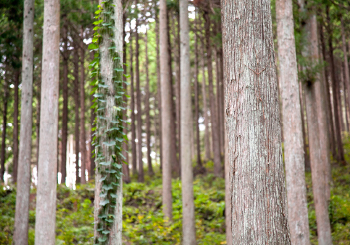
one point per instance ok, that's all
(15, 127)
(346, 71)
(292, 125)
(20, 235)
(76, 109)
(47, 174)
(213, 107)
(188, 220)
(82, 110)
(3, 133)
(258, 202)
(166, 110)
(159, 97)
(132, 105)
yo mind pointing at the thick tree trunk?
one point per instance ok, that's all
(258, 202)
(166, 110)
(292, 125)
(20, 235)
(76, 110)
(213, 107)
(47, 175)
(15, 128)
(82, 111)
(65, 103)
(132, 105)
(188, 220)
(138, 105)
(147, 111)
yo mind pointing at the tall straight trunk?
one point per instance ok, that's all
(336, 98)
(292, 125)
(159, 97)
(228, 193)
(138, 105)
(303, 124)
(147, 111)
(346, 96)
(317, 131)
(258, 202)
(47, 174)
(15, 127)
(37, 123)
(221, 100)
(196, 91)
(205, 107)
(111, 76)
(65, 103)
(3, 133)
(82, 110)
(76, 110)
(132, 105)
(20, 235)
(92, 146)
(188, 217)
(213, 107)
(166, 110)
(218, 98)
(346, 72)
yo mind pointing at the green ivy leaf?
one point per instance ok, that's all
(104, 202)
(105, 163)
(112, 143)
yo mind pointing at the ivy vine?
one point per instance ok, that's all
(108, 134)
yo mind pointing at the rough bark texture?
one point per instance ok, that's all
(20, 236)
(15, 128)
(147, 112)
(132, 108)
(140, 176)
(292, 125)
(47, 174)
(188, 217)
(166, 110)
(65, 103)
(213, 107)
(258, 202)
(106, 71)
(76, 110)
(82, 110)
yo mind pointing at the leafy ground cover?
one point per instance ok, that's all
(143, 221)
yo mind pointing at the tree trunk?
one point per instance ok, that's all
(20, 235)
(76, 109)
(82, 111)
(166, 110)
(3, 133)
(47, 174)
(110, 77)
(65, 103)
(188, 220)
(213, 107)
(147, 111)
(218, 98)
(138, 105)
(15, 128)
(132, 105)
(258, 202)
(346, 72)
(159, 97)
(292, 125)
(336, 99)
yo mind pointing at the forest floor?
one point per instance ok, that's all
(142, 213)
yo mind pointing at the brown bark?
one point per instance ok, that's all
(76, 110)
(213, 107)
(346, 73)
(15, 127)
(3, 131)
(132, 108)
(82, 110)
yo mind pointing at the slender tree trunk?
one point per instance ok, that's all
(166, 110)
(147, 111)
(159, 97)
(213, 107)
(292, 125)
(132, 105)
(15, 128)
(138, 105)
(3, 133)
(336, 99)
(82, 111)
(221, 100)
(65, 103)
(92, 146)
(20, 235)
(76, 109)
(346, 73)
(47, 175)
(218, 98)
(205, 107)
(188, 220)
(258, 203)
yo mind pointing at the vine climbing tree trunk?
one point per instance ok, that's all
(258, 201)
(47, 174)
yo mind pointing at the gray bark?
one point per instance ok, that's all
(258, 202)
(47, 174)
(292, 125)
(15, 128)
(76, 97)
(188, 217)
(20, 236)
(166, 110)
